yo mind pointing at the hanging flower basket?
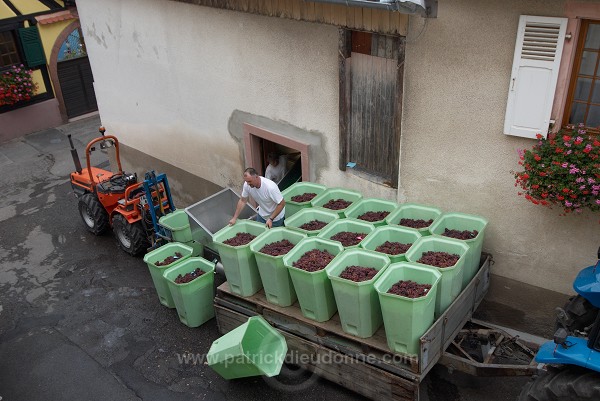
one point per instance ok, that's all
(16, 85)
(563, 170)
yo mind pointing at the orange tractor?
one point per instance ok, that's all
(108, 199)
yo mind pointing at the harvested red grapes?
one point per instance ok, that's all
(169, 259)
(458, 234)
(439, 259)
(313, 225)
(358, 273)
(410, 289)
(337, 204)
(416, 223)
(305, 197)
(314, 260)
(393, 248)
(240, 239)
(186, 278)
(373, 216)
(348, 238)
(277, 248)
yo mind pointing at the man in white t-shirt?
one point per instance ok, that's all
(271, 206)
(276, 168)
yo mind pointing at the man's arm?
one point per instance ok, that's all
(275, 213)
(240, 205)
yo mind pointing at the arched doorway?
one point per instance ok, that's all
(75, 76)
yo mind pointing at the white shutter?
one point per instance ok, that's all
(534, 74)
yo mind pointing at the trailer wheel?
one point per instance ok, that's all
(130, 237)
(581, 314)
(571, 383)
(93, 214)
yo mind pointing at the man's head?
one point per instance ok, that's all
(273, 159)
(251, 177)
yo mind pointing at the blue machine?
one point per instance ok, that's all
(157, 233)
(573, 358)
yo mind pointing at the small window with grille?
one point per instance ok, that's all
(9, 53)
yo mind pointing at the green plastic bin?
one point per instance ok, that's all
(406, 319)
(307, 215)
(238, 262)
(371, 205)
(314, 290)
(357, 303)
(193, 300)
(414, 211)
(337, 193)
(404, 235)
(177, 226)
(253, 349)
(462, 221)
(273, 273)
(158, 255)
(197, 248)
(299, 188)
(451, 282)
(349, 225)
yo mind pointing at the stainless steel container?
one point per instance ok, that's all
(213, 213)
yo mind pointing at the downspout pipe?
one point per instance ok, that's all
(426, 8)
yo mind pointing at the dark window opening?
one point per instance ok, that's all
(9, 53)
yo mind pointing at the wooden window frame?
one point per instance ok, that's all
(585, 23)
(17, 49)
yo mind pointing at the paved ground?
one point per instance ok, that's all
(79, 319)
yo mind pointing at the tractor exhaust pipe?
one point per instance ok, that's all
(75, 156)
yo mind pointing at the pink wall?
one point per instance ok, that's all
(23, 121)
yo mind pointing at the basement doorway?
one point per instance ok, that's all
(293, 154)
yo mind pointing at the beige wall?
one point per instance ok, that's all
(453, 151)
(177, 81)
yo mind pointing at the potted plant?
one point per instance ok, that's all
(562, 170)
(16, 85)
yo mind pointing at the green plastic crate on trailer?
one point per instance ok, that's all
(406, 319)
(335, 194)
(414, 211)
(314, 290)
(380, 235)
(238, 262)
(357, 303)
(451, 282)
(347, 225)
(306, 216)
(300, 188)
(371, 205)
(275, 277)
(461, 222)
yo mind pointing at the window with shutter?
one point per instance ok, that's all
(8, 50)
(32, 46)
(534, 75)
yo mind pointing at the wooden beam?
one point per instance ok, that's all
(344, 50)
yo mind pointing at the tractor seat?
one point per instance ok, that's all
(107, 187)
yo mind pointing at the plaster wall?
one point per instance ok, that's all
(454, 153)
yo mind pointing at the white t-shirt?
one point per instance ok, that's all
(276, 173)
(267, 196)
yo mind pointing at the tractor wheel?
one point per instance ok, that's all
(93, 214)
(570, 383)
(130, 237)
(581, 314)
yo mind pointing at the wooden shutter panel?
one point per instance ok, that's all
(534, 75)
(32, 46)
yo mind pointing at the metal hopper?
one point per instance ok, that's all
(213, 213)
